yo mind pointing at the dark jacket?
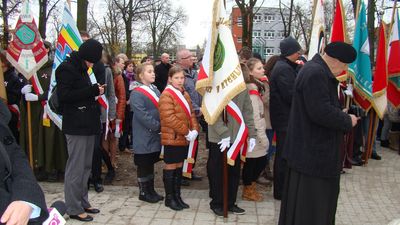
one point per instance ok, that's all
(161, 71)
(317, 123)
(282, 80)
(13, 86)
(81, 112)
(145, 123)
(17, 181)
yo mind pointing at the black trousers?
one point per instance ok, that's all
(124, 140)
(215, 176)
(252, 169)
(98, 155)
(280, 165)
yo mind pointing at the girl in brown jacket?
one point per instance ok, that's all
(178, 127)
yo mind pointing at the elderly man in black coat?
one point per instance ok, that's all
(21, 198)
(316, 128)
(282, 80)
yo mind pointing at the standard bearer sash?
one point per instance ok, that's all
(240, 143)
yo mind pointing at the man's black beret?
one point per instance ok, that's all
(341, 51)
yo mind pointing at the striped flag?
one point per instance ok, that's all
(360, 69)
(339, 32)
(380, 75)
(318, 37)
(393, 89)
(26, 52)
(68, 40)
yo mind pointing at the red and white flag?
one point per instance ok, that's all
(393, 89)
(318, 37)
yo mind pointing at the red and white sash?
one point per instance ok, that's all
(15, 109)
(102, 100)
(145, 90)
(240, 143)
(189, 161)
(255, 92)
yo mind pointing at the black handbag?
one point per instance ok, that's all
(54, 103)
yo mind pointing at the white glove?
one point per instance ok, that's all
(26, 89)
(192, 135)
(252, 144)
(225, 143)
(29, 97)
(118, 131)
(349, 90)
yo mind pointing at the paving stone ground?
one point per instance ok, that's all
(368, 196)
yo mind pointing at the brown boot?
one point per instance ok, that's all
(249, 194)
(256, 193)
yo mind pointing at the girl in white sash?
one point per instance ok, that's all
(178, 127)
(145, 130)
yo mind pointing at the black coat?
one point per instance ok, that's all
(13, 86)
(17, 181)
(161, 71)
(282, 80)
(81, 112)
(317, 123)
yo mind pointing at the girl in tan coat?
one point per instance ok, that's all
(179, 126)
(257, 159)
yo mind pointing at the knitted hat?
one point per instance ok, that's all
(90, 50)
(341, 51)
(289, 46)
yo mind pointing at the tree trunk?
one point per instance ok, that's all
(5, 25)
(82, 15)
(290, 18)
(42, 18)
(371, 28)
(129, 39)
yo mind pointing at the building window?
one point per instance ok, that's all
(256, 33)
(239, 40)
(280, 34)
(269, 51)
(269, 34)
(257, 18)
(239, 21)
(269, 18)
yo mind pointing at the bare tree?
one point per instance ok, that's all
(131, 11)
(7, 9)
(247, 8)
(81, 19)
(163, 25)
(46, 7)
(110, 29)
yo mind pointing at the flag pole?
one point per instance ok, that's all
(28, 111)
(225, 172)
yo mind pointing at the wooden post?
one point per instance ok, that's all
(28, 111)
(373, 122)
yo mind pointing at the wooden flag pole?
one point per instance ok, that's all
(373, 119)
(225, 173)
(28, 111)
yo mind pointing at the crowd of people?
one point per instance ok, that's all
(154, 111)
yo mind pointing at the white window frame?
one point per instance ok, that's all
(269, 35)
(239, 21)
(269, 18)
(239, 40)
(269, 51)
(256, 33)
(257, 18)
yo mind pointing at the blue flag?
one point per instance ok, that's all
(360, 69)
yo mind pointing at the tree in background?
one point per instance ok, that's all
(81, 19)
(163, 24)
(247, 10)
(110, 28)
(46, 7)
(7, 9)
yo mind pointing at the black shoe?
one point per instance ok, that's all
(52, 176)
(177, 188)
(144, 192)
(357, 162)
(218, 212)
(98, 187)
(185, 182)
(92, 210)
(108, 179)
(236, 210)
(88, 218)
(385, 143)
(169, 180)
(196, 177)
(376, 156)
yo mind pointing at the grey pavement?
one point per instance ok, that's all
(368, 196)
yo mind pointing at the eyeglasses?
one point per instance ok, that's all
(187, 57)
